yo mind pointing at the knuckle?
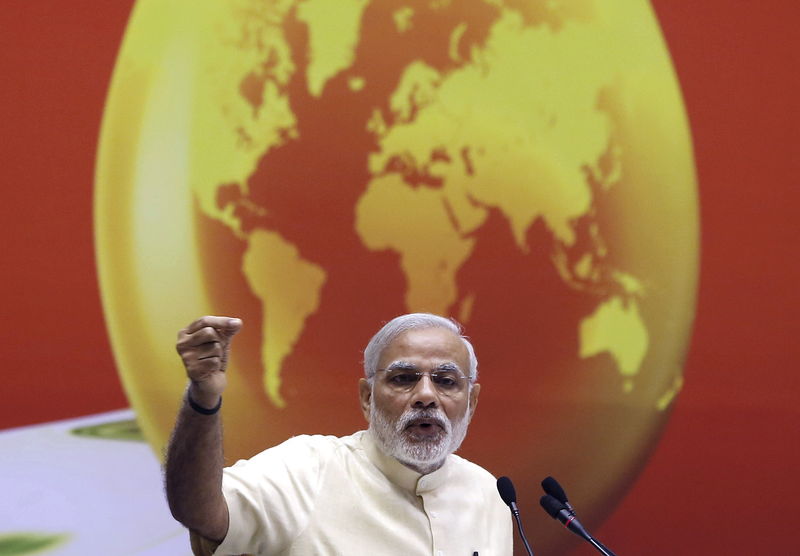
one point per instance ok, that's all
(210, 364)
(209, 333)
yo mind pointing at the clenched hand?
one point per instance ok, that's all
(204, 346)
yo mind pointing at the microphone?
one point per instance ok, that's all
(557, 510)
(551, 487)
(509, 495)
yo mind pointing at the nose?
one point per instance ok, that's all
(424, 393)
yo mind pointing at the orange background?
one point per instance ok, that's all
(723, 477)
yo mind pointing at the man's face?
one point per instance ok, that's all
(420, 424)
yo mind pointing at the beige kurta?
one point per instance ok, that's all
(327, 495)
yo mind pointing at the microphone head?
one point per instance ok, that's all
(506, 489)
(551, 487)
(551, 505)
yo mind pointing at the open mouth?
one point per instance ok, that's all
(425, 427)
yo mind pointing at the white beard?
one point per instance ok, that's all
(422, 455)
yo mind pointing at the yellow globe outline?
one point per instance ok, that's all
(145, 225)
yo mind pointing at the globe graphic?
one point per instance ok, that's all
(317, 167)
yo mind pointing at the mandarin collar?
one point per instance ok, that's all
(399, 474)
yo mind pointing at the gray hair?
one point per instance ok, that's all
(398, 325)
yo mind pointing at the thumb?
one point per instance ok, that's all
(231, 328)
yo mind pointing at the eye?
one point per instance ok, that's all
(446, 380)
(403, 378)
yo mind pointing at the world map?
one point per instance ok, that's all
(454, 129)
(316, 167)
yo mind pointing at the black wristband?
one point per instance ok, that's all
(200, 408)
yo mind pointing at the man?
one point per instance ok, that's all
(396, 488)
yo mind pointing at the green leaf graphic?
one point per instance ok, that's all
(17, 544)
(119, 430)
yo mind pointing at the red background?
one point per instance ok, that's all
(721, 480)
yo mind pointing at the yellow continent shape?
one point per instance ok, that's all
(289, 289)
(618, 329)
(334, 28)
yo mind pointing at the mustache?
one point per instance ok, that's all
(433, 416)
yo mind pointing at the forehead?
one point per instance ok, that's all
(425, 347)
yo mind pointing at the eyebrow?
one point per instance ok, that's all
(408, 366)
(401, 366)
(449, 366)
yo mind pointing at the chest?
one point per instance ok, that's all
(367, 514)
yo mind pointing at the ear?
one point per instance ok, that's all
(365, 395)
(473, 399)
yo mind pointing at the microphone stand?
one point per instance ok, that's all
(515, 513)
(600, 548)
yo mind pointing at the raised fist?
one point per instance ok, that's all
(204, 346)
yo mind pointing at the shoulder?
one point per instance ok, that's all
(467, 473)
(299, 463)
(464, 467)
(303, 448)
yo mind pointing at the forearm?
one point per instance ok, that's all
(193, 474)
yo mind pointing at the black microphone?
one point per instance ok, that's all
(559, 511)
(551, 487)
(506, 489)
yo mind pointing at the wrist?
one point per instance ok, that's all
(204, 403)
